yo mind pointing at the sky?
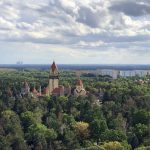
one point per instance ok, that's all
(75, 31)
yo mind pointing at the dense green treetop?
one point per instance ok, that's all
(115, 114)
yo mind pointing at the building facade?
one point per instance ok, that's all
(53, 78)
(52, 89)
(79, 90)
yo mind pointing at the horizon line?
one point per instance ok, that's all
(68, 64)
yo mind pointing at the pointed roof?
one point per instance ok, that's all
(79, 82)
(46, 91)
(34, 91)
(54, 67)
(26, 85)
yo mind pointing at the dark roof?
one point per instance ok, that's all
(34, 91)
(46, 90)
(58, 90)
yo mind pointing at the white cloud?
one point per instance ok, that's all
(77, 25)
(91, 44)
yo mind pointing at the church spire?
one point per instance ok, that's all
(54, 67)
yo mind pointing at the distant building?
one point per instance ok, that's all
(53, 79)
(59, 91)
(25, 88)
(46, 91)
(132, 73)
(79, 90)
(54, 88)
(108, 72)
(114, 73)
(67, 90)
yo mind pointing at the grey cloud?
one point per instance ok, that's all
(88, 17)
(132, 8)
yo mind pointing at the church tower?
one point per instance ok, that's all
(53, 78)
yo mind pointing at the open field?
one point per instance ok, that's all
(6, 70)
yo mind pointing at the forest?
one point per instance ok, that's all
(115, 114)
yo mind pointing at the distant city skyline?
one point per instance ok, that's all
(75, 31)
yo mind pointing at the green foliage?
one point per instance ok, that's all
(68, 119)
(143, 148)
(141, 131)
(39, 130)
(141, 116)
(113, 135)
(4, 143)
(40, 135)
(97, 128)
(82, 129)
(92, 148)
(114, 114)
(11, 131)
(113, 146)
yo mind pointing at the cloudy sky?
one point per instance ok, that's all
(75, 31)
